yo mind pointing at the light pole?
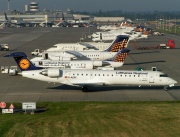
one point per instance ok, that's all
(8, 5)
(54, 10)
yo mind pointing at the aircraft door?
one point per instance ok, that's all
(101, 56)
(151, 79)
(46, 55)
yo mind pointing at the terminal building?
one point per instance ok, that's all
(32, 13)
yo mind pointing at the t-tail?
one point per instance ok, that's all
(119, 43)
(121, 55)
(22, 61)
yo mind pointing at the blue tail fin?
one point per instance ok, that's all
(121, 55)
(22, 61)
(119, 43)
(5, 16)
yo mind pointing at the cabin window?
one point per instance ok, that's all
(82, 74)
(138, 75)
(103, 74)
(99, 74)
(107, 74)
(163, 75)
(86, 74)
(125, 75)
(95, 74)
(77, 74)
(112, 75)
(129, 75)
(134, 75)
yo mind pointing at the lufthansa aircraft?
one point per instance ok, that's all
(86, 78)
(116, 61)
(118, 44)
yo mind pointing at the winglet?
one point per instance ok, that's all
(121, 55)
(119, 43)
(22, 61)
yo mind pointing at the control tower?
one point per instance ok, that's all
(34, 6)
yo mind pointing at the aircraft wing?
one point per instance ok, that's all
(89, 46)
(90, 84)
(78, 55)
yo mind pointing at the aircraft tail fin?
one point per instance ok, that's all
(22, 61)
(63, 16)
(119, 43)
(121, 55)
(5, 15)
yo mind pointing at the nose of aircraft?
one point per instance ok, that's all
(172, 82)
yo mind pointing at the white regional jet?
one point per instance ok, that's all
(116, 61)
(119, 43)
(80, 46)
(86, 78)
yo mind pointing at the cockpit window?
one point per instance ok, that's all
(163, 75)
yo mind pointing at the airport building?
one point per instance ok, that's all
(32, 13)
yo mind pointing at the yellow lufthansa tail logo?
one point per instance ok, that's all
(24, 64)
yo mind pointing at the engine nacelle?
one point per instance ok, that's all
(52, 72)
(97, 63)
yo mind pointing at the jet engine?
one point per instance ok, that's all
(52, 72)
(97, 63)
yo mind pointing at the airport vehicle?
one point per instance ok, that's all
(87, 78)
(4, 47)
(35, 52)
(170, 45)
(158, 33)
(120, 42)
(116, 61)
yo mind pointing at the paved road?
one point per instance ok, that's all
(18, 89)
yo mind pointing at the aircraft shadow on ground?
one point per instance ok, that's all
(138, 63)
(112, 88)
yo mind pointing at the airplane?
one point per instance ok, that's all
(115, 62)
(80, 46)
(110, 36)
(88, 78)
(120, 42)
(16, 23)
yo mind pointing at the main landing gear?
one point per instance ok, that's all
(84, 89)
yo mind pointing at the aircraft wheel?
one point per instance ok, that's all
(84, 89)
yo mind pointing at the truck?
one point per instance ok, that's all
(158, 33)
(169, 45)
(4, 47)
(36, 52)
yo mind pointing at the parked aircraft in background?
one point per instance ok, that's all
(80, 46)
(88, 78)
(14, 23)
(115, 62)
(120, 42)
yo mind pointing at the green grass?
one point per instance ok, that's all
(95, 119)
